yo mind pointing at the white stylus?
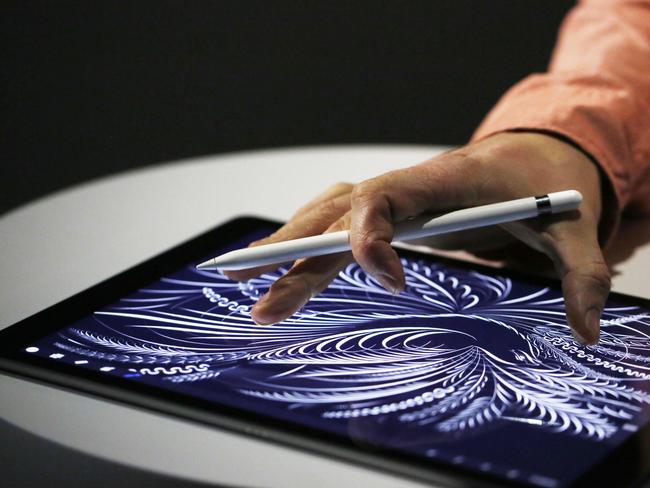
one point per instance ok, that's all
(469, 218)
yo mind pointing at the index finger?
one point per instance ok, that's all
(449, 181)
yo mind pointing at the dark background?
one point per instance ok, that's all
(92, 88)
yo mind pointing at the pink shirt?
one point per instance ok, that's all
(596, 93)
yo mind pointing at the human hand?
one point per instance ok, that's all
(501, 167)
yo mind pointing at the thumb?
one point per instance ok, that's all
(585, 284)
(573, 246)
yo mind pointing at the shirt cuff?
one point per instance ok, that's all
(581, 114)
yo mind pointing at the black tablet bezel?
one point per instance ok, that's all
(624, 466)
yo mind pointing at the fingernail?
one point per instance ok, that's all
(259, 321)
(388, 282)
(256, 307)
(578, 337)
(262, 322)
(592, 320)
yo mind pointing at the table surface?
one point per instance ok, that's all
(62, 244)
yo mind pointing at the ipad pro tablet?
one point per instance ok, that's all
(469, 377)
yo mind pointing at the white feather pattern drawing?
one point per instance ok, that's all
(457, 351)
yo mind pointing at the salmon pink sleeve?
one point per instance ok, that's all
(596, 94)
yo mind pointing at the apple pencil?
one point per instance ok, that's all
(333, 242)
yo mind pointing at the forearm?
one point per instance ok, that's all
(596, 94)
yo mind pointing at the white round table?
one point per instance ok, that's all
(66, 242)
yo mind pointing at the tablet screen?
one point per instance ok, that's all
(473, 369)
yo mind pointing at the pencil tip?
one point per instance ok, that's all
(206, 265)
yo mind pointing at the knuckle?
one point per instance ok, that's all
(330, 209)
(367, 189)
(364, 244)
(361, 253)
(372, 198)
(364, 191)
(601, 276)
(340, 224)
(297, 282)
(341, 187)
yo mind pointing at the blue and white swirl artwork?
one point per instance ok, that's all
(456, 353)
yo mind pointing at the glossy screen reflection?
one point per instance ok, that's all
(472, 369)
